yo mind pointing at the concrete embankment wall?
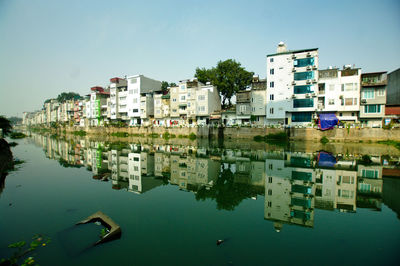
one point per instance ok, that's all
(345, 134)
(298, 134)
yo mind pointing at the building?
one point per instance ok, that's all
(243, 108)
(97, 106)
(162, 110)
(339, 92)
(258, 101)
(292, 78)
(140, 88)
(118, 100)
(392, 109)
(373, 98)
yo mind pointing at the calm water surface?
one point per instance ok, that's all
(271, 206)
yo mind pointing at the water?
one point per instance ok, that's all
(272, 204)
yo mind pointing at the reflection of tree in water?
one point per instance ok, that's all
(226, 192)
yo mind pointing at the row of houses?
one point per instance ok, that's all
(134, 101)
(293, 184)
(294, 92)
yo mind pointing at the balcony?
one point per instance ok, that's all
(374, 79)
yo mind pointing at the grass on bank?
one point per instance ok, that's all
(120, 134)
(79, 133)
(394, 143)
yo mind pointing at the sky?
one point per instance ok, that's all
(52, 46)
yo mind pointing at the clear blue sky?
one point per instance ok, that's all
(48, 47)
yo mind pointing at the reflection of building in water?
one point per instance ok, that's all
(162, 164)
(191, 173)
(369, 187)
(289, 191)
(325, 189)
(346, 189)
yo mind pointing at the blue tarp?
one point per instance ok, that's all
(326, 159)
(327, 121)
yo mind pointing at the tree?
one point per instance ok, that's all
(165, 85)
(5, 125)
(228, 76)
(68, 96)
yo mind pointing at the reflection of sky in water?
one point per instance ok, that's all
(244, 195)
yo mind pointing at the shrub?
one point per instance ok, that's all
(192, 136)
(120, 134)
(80, 133)
(324, 140)
(17, 135)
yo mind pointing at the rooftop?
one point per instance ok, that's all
(294, 51)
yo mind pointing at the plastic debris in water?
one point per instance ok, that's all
(219, 242)
(97, 223)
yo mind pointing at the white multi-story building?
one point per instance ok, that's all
(339, 92)
(291, 85)
(162, 110)
(140, 86)
(118, 102)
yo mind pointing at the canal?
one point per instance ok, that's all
(290, 204)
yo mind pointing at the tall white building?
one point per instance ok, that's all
(292, 78)
(140, 86)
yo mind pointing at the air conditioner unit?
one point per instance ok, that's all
(294, 96)
(294, 83)
(314, 81)
(308, 81)
(308, 67)
(363, 101)
(308, 54)
(313, 94)
(293, 56)
(315, 67)
(307, 95)
(294, 69)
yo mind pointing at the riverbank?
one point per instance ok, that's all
(295, 134)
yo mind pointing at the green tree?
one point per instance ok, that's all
(165, 85)
(68, 96)
(5, 125)
(229, 77)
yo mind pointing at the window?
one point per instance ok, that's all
(135, 110)
(303, 89)
(373, 108)
(174, 99)
(271, 60)
(136, 159)
(158, 102)
(253, 109)
(270, 179)
(270, 167)
(271, 97)
(368, 94)
(303, 75)
(304, 62)
(188, 104)
(269, 204)
(271, 84)
(201, 109)
(270, 192)
(271, 71)
(380, 92)
(348, 179)
(201, 97)
(182, 87)
(331, 87)
(350, 101)
(134, 100)
(133, 80)
(130, 92)
(271, 111)
(370, 173)
(349, 86)
(301, 103)
(331, 102)
(301, 117)
(340, 114)
(242, 108)
(135, 168)
(135, 91)
(183, 98)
